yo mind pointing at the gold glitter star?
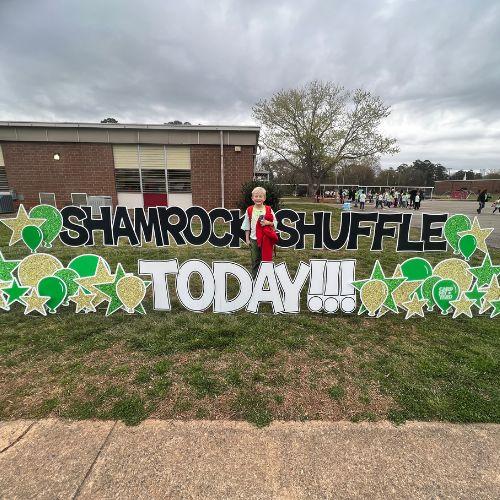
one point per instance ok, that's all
(479, 233)
(102, 276)
(462, 306)
(35, 302)
(415, 307)
(83, 301)
(397, 272)
(404, 292)
(492, 294)
(17, 224)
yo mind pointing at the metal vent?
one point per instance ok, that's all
(153, 181)
(4, 185)
(128, 180)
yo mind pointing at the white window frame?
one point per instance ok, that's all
(40, 198)
(86, 198)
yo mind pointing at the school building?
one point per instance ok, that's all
(134, 165)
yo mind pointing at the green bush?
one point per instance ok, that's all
(273, 194)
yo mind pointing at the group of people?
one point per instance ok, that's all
(260, 222)
(389, 198)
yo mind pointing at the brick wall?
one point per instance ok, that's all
(492, 185)
(82, 168)
(205, 174)
(89, 168)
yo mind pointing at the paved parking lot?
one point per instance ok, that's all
(486, 218)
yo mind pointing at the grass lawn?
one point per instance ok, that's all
(258, 368)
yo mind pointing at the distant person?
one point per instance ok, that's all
(416, 202)
(407, 199)
(413, 193)
(356, 198)
(379, 202)
(362, 200)
(496, 206)
(482, 197)
(318, 195)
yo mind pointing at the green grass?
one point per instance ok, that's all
(244, 366)
(336, 392)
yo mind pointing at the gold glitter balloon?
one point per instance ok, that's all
(130, 290)
(373, 294)
(457, 270)
(37, 266)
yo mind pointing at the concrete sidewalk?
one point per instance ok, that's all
(201, 459)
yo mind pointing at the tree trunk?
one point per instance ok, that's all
(310, 185)
(311, 192)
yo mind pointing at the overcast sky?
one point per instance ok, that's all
(437, 63)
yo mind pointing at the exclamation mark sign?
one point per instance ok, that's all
(316, 285)
(347, 276)
(330, 302)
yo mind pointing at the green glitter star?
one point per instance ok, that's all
(476, 295)
(15, 292)
(485, 271)
(7, 267)
(496, 308)
(109, 289)
(392, 284)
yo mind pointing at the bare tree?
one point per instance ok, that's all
(315, 127)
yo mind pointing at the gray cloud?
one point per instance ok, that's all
(435, 63)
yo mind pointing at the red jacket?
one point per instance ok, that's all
(266, 235)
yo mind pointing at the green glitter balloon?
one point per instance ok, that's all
(69, 276)
(443, 293)
(454, 225)
(467, 245)
(426, 291)
(85, 265)
(55, 288)
(52, 225)
(416, 269)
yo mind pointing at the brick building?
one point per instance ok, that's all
(472, 186)
(132, 165)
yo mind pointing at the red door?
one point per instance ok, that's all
(155, 200)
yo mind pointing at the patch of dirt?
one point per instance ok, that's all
(293, 384)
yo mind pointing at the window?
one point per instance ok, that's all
(79, 199)
(153, 181)
(47, 199)
(128, 180)
(179, 181)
